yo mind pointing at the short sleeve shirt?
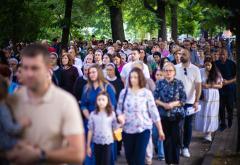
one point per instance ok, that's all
(128, 67)
(189, 79)
(57, 115)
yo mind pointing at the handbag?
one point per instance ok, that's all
(178, 115)
(117, 134)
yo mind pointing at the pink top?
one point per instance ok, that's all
(164, 53)
(120, 68)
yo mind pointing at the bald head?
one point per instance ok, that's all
(185, 58)
(223, 54)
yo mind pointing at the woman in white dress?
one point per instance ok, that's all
(207, 119)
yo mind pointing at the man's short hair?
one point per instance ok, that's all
(186, 40)
(101, 41)
(125, 41)
(194, 42)
(136, 49)
(54, 39)
(34, 50)
(157, 54)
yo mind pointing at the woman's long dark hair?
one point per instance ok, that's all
(110, 57)
(214, 73)
(145, 57)
(109, 108)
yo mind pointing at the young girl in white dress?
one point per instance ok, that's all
(207, 119)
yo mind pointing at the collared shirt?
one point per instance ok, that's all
(194, 57)
(128, 67)
(140, 110)
(127, 51)
(169, 91)
(102, 127)
(53, 117)
(189, 78)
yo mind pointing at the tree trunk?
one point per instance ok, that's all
(238, 82)
(67, 23)
(116, 23)
(174, 23)
(161, 18)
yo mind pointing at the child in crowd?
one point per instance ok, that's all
(9, 129)
(102, 122)
(159, 75)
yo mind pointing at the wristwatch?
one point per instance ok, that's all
(43, 156)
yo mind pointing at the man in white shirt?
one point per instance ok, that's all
(190, 75)
(128, 67)
(125, 49)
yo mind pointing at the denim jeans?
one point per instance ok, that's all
(157, 143)
(149, 151)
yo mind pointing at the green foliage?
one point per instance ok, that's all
(28, 20)
(189, 16)
(20, 20)
(138, 20)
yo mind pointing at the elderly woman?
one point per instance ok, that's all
(170, 98)
(137, 111)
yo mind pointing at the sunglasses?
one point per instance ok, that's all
(185, 71)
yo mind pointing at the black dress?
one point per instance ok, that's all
(78, 87)
(68, 78)
(118, 85)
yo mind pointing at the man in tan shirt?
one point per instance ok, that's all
(56, 133)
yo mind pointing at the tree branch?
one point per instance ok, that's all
(149, 7)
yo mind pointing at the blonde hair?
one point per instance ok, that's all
(167, 64)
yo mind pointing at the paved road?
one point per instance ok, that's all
(197, 149)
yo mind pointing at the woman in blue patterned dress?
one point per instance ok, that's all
(170, 98)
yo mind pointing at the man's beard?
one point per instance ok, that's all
(183, 60)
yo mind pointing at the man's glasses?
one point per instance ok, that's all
(185, 71)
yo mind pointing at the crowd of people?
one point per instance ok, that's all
(65, 105)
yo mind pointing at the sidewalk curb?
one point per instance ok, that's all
(224, 143)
